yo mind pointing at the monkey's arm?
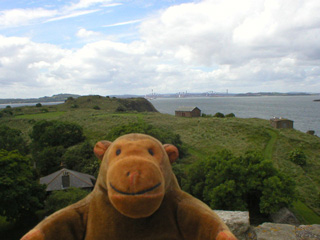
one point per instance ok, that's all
(197, 221)
(68, 224)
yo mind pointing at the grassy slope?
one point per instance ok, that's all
(203, 136)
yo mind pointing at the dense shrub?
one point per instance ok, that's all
(247, 182)
(6, 112)
(20, 193)
(56, 133)
(96, 107)
(11, 139)
(121, 108)
(49, 159)
(49, 142)
(298, 157)
(230, 115)
(60, 199)
(219, 115)
(38, 105)
(82, 159)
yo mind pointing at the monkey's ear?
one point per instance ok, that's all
(100, 148)
(172, 151)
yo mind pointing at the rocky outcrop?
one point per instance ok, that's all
(239, 224)
(237, 221)
(285, 216)
(270, 231)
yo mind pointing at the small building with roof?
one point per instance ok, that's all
(281, 122)
(188, 112)
(65, 178)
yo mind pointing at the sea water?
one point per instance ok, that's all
(301, 109)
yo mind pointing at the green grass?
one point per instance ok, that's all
(48, 115)
(305, 214)
(268, 152)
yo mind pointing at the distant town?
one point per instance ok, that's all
(64, 96)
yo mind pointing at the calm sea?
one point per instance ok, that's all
(301, 109)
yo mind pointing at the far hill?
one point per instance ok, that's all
(109, 104)
(55, 98)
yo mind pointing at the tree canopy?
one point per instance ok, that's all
(248, 182)
(20, 192)
(56, 133)
(11, 139)
(60, 199)
(50, 141)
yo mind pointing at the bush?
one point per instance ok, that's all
(11, 139)
(96, 108)
(60, 199)
(38, 105)
(248, 182)
(56, 133)
(82, 159)
(20, 192)
(121, 108)
(48, 160)
(7, 112)
(230, 115)
(298, 157)
(219, 115)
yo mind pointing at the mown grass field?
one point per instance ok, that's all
(203, 136)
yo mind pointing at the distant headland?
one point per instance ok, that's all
(64, 96)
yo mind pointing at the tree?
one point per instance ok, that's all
(81, 158)
(247, 182)
(20, 193)
(11, 139)
(60, 199)
(56, 133)
(49, 159)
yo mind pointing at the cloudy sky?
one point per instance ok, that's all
(110, 47)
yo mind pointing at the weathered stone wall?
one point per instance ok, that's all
(239, 224)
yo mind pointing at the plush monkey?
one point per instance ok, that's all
(136, 197)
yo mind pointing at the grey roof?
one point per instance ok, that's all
(77, 179)
(186, 109)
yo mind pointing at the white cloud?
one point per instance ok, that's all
(124, 23)
(88, 3)
(83, 33)
(249, 45)
(17, 17)
(21, 17)
(72, 15)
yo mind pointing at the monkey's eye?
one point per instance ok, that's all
(118, 152)
(150, 151)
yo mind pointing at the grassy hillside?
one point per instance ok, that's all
(203, 136)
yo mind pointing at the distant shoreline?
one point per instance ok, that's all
(63, 97)
(13, 105)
